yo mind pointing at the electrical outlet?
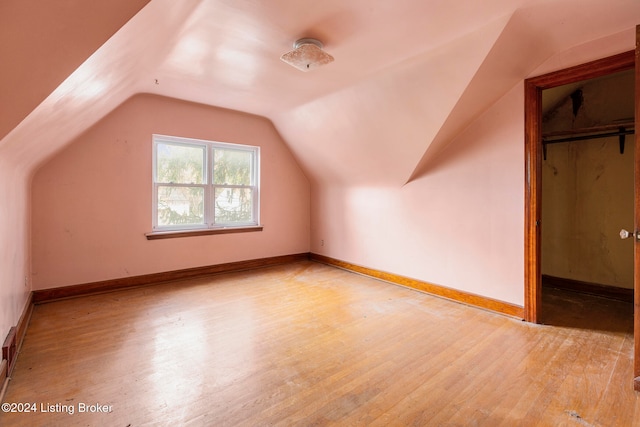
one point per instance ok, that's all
(26, 281)
(322, 242)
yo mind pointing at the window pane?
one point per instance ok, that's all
(180, 206)
(180, 164)
(233, 205)
(232, 167)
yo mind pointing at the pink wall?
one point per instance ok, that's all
(14, 247)
(92, 201)
(460, 225)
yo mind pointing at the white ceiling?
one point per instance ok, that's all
(408, 75)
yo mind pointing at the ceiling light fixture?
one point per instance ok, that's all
(306, 55)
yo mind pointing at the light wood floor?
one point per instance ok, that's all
(307, 344)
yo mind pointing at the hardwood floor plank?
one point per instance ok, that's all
(619, 388)
(310, 344)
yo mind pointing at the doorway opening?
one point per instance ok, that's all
(587, 196)
(534, 163)
(534, 160)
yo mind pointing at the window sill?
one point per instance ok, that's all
(191, 233)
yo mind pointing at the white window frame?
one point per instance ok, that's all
(208, 186)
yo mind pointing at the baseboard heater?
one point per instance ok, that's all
(10, 349)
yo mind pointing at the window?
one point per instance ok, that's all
(204, 184)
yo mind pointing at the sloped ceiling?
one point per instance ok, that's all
(42, 42)
(408, 75)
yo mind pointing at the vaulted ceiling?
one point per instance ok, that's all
(408, 75)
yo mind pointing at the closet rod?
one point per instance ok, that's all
(627, 124)
(620, 133)
(593, 136)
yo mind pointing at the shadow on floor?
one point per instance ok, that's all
(577, 310)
